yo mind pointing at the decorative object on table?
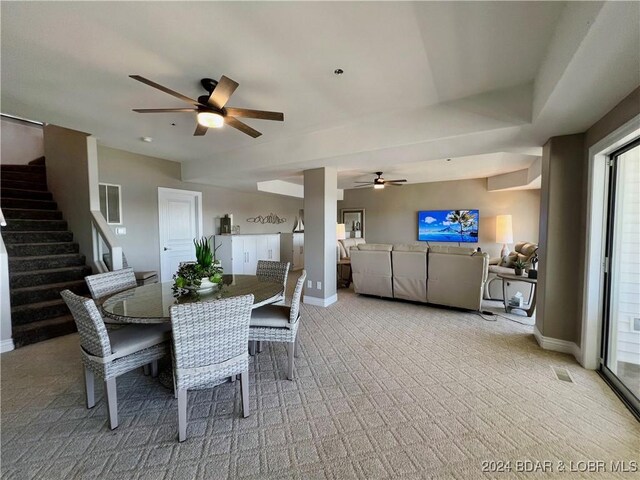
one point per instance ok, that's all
(519, 266)
(516, 300)
(298, 226)
(225, 224)
(200, 276)
(533, 270)
(504, 233)
(271, 218)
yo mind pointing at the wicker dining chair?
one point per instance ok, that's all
(109, 354)
(102, 285)
(279, 323)
(210, 346)
(276, 272)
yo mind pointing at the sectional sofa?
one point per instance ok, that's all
(451, 276)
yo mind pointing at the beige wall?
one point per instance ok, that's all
(392, 214)
(560, 245)
(565, 192)
(70, 171)
(21, 142)
(140, 176)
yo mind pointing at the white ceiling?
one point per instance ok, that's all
(485, 83)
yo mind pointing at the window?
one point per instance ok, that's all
(110, 203)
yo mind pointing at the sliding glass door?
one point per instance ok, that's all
(621, 336)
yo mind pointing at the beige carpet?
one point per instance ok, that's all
(384, 390)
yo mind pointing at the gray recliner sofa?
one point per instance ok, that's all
(524, 251)
(451, 276)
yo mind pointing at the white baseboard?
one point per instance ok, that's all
(6, 345)
(557, 345)
(320, 302)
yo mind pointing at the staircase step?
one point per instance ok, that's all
(44, 277)
(36, 237)
(30, 213)
(43, 330)
(23, 184)
(38, 161)
(35, 312)
(37, 169)
(27, 203)
(34, 225)
(22, 193)
(43, 293)
(38, 249)
(23, 176)
(46, 262)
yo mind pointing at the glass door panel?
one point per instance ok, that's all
(621, 359)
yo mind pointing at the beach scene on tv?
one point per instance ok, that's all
(448, 226)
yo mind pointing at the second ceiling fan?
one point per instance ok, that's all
(210, 109)
(380, 182)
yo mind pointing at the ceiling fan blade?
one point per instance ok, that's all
(360, 186)
(243, 127)
(200, 130)
(397, 181)
(164, 110)
(164, 89)
(259, 114)
(220, 95)
(358, 181)
(393, 184)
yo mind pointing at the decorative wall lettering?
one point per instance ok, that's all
(271, 218)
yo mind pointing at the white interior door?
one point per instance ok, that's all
(180, 221)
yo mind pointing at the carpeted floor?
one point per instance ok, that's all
(383, 390)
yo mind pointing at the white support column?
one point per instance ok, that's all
(320, 210)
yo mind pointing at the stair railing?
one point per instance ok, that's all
(103, 236)
(6, 342)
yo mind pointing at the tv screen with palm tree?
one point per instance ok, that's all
(448, 226)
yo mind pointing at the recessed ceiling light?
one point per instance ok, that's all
(338, 71)
(147, 139)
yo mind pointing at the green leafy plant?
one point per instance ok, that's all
(519, 264)
(190, 275)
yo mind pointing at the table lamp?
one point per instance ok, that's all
(341, 233)
(504, 233)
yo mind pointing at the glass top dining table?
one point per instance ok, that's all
(152, 303)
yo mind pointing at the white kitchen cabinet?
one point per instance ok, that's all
(292, 249)
(240, 253)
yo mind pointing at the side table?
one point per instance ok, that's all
(531, 307)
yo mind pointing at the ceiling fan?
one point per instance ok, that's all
(210, 109)
(380, 182)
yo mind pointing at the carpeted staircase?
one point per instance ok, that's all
(43, 259)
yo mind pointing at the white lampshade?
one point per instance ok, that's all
(340, 232)
(504, 229)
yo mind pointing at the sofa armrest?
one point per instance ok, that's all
(495, 261)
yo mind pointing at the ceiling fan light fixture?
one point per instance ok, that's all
(210, 119)
(378, 186)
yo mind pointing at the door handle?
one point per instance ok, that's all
(165, 249)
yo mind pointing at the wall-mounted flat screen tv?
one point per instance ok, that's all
(448, 226)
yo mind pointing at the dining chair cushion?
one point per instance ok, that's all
(270, 316)
(134, 338)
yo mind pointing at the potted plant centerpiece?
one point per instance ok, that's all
(200, 276)
(519, 267)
